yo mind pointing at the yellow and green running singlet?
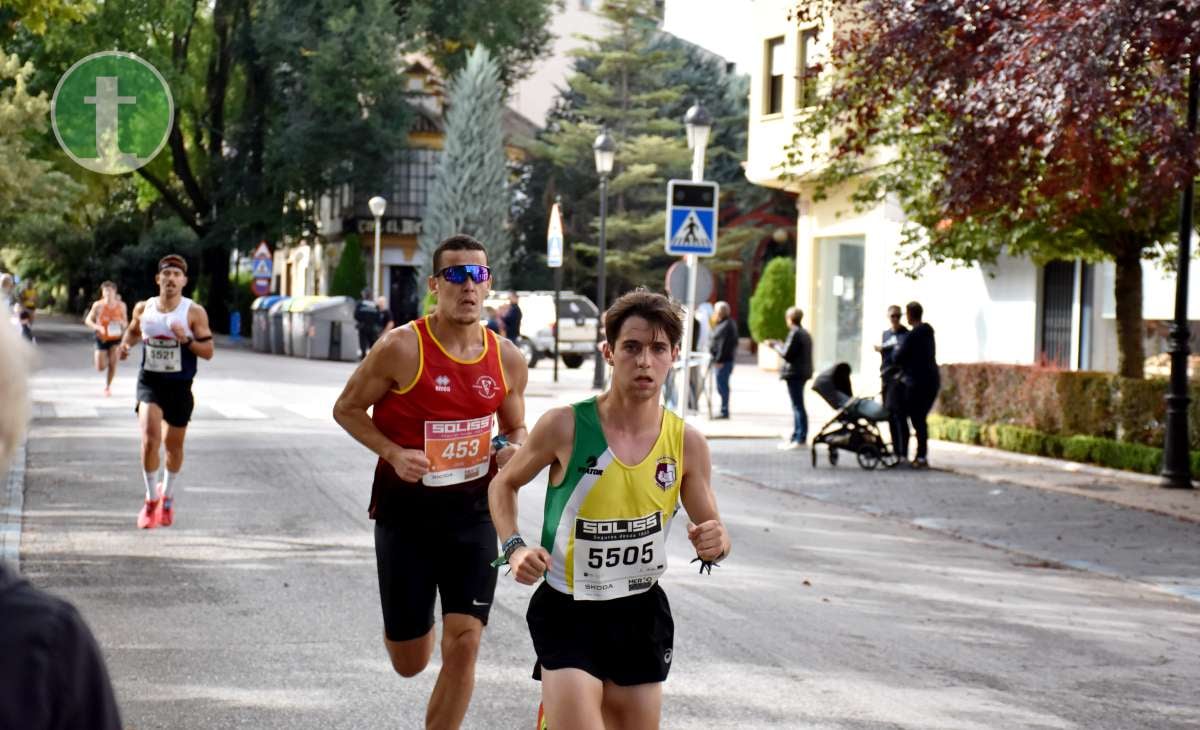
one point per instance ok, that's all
(606, 522)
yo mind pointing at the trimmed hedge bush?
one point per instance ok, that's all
(1062, 403)
(1086, 449)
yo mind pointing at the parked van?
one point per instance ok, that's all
(576, 319)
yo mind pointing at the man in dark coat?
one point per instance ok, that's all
(892, 388)
(917, 358)
(366, 321)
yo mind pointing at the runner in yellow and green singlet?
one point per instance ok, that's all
(619, 466)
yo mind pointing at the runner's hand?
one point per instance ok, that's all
(179, 332)
(503, 455)
(709, 539)
(124, 350)
(529, 564)
(410, 464)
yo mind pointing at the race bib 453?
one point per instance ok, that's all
(458, 451)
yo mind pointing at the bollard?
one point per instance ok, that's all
(235, 326)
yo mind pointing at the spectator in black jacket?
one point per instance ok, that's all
(796, 371)
(917, 358)
(723, 348)
(366, 321)
(52, 675)
(512, 318)
(889, 375)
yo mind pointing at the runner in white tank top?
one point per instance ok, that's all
(175, 332)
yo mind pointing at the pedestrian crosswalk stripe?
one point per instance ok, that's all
(314, 411)
(75, 410)
(237, 411)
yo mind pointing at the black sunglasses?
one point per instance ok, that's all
(458, 274)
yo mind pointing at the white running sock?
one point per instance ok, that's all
(170, 481)
(151, 478)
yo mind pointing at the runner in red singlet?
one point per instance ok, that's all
(108, 318)
(437, 387)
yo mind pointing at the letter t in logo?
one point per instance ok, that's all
(106, 101)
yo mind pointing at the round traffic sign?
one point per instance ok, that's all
(261, 286)
(677, 282)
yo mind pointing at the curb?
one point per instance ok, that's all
(1073, 467)
(14, 507)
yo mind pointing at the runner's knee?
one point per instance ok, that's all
(408, 663)
(461, 646)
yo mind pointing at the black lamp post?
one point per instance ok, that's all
(605, 150)
(1177, 468)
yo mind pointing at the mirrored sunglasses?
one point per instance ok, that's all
(458, 274)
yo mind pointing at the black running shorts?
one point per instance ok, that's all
(627, 641)
(428, 557)
(106, 345)
(174, 397)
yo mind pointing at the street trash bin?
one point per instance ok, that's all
(296, 343)
(329, 330)
(260, 322)
(280, 324)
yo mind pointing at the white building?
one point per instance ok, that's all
(1013, 311)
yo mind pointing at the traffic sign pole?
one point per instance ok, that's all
(684, 379)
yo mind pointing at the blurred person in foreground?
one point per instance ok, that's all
(52, 674)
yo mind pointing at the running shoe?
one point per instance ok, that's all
(107, 391)
(150, 515)
(167, 510)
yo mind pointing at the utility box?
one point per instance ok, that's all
(260, 324)
(329, 332)
(280, 325)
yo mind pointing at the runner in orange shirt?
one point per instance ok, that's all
(436, 386)
(108, 318)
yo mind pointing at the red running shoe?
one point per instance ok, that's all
(166, 510)
(150, 515)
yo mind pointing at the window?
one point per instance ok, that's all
(809, 68)
(411, 182)
(773, 93)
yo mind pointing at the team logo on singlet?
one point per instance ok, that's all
(589, 466)
(486, 386)
(664, 475)
(441, 384)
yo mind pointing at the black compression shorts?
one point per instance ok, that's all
(627, 641)
(427, 557)
(174, 397)
(106, 344)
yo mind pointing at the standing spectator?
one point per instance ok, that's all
(797, 369)
(385, 316)
(512, 318)
(891, 386)
(723, 347)
(493, 319)
(917, 358)
(366, 321)
(52, 674)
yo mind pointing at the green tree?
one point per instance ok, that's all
(776, 291)
(515, 31)
(275, 102)
(350, 276)
(470, 189)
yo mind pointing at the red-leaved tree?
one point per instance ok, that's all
(1044, 128)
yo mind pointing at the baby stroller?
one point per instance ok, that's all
(852, 427)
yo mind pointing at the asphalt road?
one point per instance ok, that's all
(851, 600)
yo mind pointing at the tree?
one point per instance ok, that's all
(470, 188)
(775, 292)
(515, 31)
(350, 276)
(1046, 129)
(275, 102)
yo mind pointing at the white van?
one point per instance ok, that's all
(576, 321)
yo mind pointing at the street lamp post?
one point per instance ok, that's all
(699, 124)
(605, 150)
(377, 206)
(1177, 471)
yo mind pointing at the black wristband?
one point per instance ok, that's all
(511, 545)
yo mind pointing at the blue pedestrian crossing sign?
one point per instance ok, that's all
(691, 218)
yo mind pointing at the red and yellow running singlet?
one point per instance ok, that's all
(447, 411)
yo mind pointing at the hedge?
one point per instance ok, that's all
(1087, 449)
(1063, 403)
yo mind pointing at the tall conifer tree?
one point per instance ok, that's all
(470, 192)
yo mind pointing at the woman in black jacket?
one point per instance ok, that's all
(797, 369)
(917, 358)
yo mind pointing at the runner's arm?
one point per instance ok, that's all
(512, 411)
(549, 444)
(393, 359)
(90, 319)
(707, 533)
(202, 342)
(133, 332)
